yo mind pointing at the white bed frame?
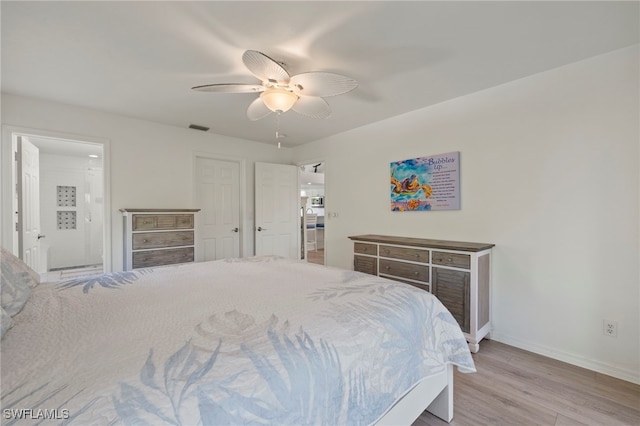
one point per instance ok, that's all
(434, 394)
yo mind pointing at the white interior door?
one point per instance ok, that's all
(94, 216)
(218, 195)
(277, 223)
(29, 203)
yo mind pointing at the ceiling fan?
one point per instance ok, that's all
(280, 92)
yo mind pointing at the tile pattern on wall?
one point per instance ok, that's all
(66, 220)
(66, 196)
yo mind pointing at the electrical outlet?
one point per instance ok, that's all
(610, 328)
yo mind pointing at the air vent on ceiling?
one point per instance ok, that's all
(198, 127)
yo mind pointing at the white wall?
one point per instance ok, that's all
(549, 173)
(152, 165)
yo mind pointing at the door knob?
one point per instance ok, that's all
(41, 236)
(260, 228)
(236, 229)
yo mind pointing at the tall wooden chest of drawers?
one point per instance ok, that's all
(457, 273)
(156, 237)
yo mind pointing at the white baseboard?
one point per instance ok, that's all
(600, 367)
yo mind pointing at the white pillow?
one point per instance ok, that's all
(16, 282)
(6, 322)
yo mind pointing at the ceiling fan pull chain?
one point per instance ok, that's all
(278, 113)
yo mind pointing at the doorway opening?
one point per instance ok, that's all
(60, 206)
(312, 211)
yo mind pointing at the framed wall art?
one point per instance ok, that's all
(426, 183)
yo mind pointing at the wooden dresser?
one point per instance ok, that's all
(457, 273)
(156, 237)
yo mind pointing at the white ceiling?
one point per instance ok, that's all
(66, 147)
(140, 59)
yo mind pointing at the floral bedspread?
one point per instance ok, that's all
(262, 340)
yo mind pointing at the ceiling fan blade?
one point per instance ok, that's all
(322, 84)
(264, 67)
(257, 110)
(230, 88)
(312, 106)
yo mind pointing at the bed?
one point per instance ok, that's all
(261, 340)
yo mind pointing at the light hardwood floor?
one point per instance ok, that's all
(316, 256)
(516, 387)
(71, 273)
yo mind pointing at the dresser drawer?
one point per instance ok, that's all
(364, 248)
(404, 270)
(405, 253)
(452, 289)
(451, 259)
(147, 240)
(150, 222)
(149, 258)
(421, 285)
(368, 265)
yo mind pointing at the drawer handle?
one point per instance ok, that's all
(365, 249)
(417, 273)
(146, 222)
(388, 268)
(449, 260)
(145, 241)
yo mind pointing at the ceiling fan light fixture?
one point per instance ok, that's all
(278, 99)
(280, 92)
